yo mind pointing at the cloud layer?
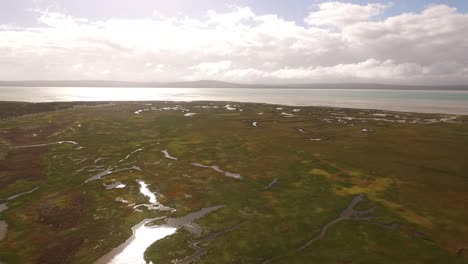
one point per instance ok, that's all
(338, 42)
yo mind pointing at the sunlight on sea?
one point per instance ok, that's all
(121, 94)
(425, 101)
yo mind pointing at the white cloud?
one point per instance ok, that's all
(340, 42)
(208, 70)
(212, 67)
(242, 74)
(367, 70)
(77, 66)
(341, 14)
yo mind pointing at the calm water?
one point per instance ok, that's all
(451, 102)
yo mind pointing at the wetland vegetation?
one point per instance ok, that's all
(227, 182)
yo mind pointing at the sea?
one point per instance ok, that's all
(423, 101)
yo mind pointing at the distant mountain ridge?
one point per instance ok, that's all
(221, 84)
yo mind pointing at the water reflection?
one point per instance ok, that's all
(133, 250)
(114, 185)
(146, 192)
(144, 235)
(153, 201)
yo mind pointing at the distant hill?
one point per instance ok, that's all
(220, 84)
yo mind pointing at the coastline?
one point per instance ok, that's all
(343, 108)
(418, 101)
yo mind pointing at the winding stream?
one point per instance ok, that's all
(153, 201)
(167, 155)
(145, 234)
(4, 206)
(20, 194)
(348, 213)
(132, 251)
(110, 171)
(47, 144)
(129, 154)
(270, 184)
(216, 168)
(199, 250)
(114, 185)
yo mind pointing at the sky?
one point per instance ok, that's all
(247, 41)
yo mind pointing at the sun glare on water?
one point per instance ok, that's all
(124, 94)
(134, 249)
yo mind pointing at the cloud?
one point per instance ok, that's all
(340, 42)
(212, 67)
(341, 14)
(367, 70)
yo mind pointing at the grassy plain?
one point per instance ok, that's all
(413, 169)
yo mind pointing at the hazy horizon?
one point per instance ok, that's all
(221, 84)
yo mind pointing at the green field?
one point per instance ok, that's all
(299, 170)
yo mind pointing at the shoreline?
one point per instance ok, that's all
(417, 101)
(344, 108)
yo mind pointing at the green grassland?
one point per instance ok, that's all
(415, 174)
